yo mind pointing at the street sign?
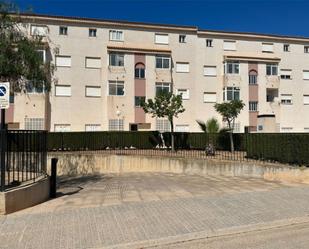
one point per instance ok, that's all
(4, 95)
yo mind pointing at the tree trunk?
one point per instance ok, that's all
(172, 135)
(231, 141)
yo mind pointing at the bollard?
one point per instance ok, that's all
(53, 178)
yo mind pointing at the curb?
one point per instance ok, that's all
(208, 234)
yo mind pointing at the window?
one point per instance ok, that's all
(182, 67)
(63, 30)
(93, 91)
(182, 39)
(208, 42)
(39, 30)
(115, 125)
(63, 90)
(33, 88)
(271, 69)
(285, 74)
(306, 74)
(139, 100)
(185, 93)
(231, 93)
(232, 67)
(267, 47)
(42, 54)
(306, 99)
(286, 47)
(252, 77)
(116, 59)
(92, 127)
(210, 71)
(161, 38)
(210, 97)
(163, 62)
(63, 61)
(93, 62)
(139, 71)
(286, 99)
(253, 106)
(92, 32)
(62, 127)
(163, 88)
(306, 129)
(306, 49)
(34, 123)
(286, 129)
(115, 88)
(116, 35)
(182, 128)
(229, 45)
(163, 125)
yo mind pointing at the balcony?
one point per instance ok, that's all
(272, 82)
(233, 79)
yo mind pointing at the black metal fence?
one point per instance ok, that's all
(23, 156)
(292, 148)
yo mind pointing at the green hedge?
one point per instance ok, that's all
(291, 148)
(141, 140)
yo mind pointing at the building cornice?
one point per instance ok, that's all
(102, 22)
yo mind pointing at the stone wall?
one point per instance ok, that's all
(76, 163)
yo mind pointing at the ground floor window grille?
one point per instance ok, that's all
(163, 125)
(92, 127)
(116, 125)
(34, 123)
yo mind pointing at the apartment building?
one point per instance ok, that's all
(105, 69)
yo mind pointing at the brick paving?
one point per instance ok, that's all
(141, 210)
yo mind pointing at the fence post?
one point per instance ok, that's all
(53, 178)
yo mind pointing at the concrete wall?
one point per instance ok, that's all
(24, 197)
(90, 163)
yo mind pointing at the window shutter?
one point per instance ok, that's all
(63, 91)
(306, 74)
(63, 61)
(306, 99)
(93, 62)
(210, 70)
(286, 72)
(184, 93)
(210, 97)
(39, 30)
(161, 38)
(93, 91)
(229, 45)
(268, 47)
(182, 67)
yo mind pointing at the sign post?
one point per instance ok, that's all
(4, 104)
(4, 100)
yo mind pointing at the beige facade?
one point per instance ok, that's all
(92, 93)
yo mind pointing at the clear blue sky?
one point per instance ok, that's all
(284, 17)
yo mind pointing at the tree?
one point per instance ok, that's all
(211, 125)
(165, 105)
(20, 62)
(229, 112)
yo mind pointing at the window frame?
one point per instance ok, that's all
(68, 86)
(117, 84)
(209, 93)
(139, 67)
(288, 46)
(185, 95)
(138, 100)
(233, 91)
(162, 86)
(209, 42)
(235, 66)
(253, 106)
(163, 58)
(92, 30)
(182, 39)
(115, 31)
(161, 34)
(286, 101)
(63, 28)
(93, 96)
(63, 56)
(272, 67)
(117, 59)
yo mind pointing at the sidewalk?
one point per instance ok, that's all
(138, 224)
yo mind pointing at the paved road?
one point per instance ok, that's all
(287, 237)
(137, 210)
